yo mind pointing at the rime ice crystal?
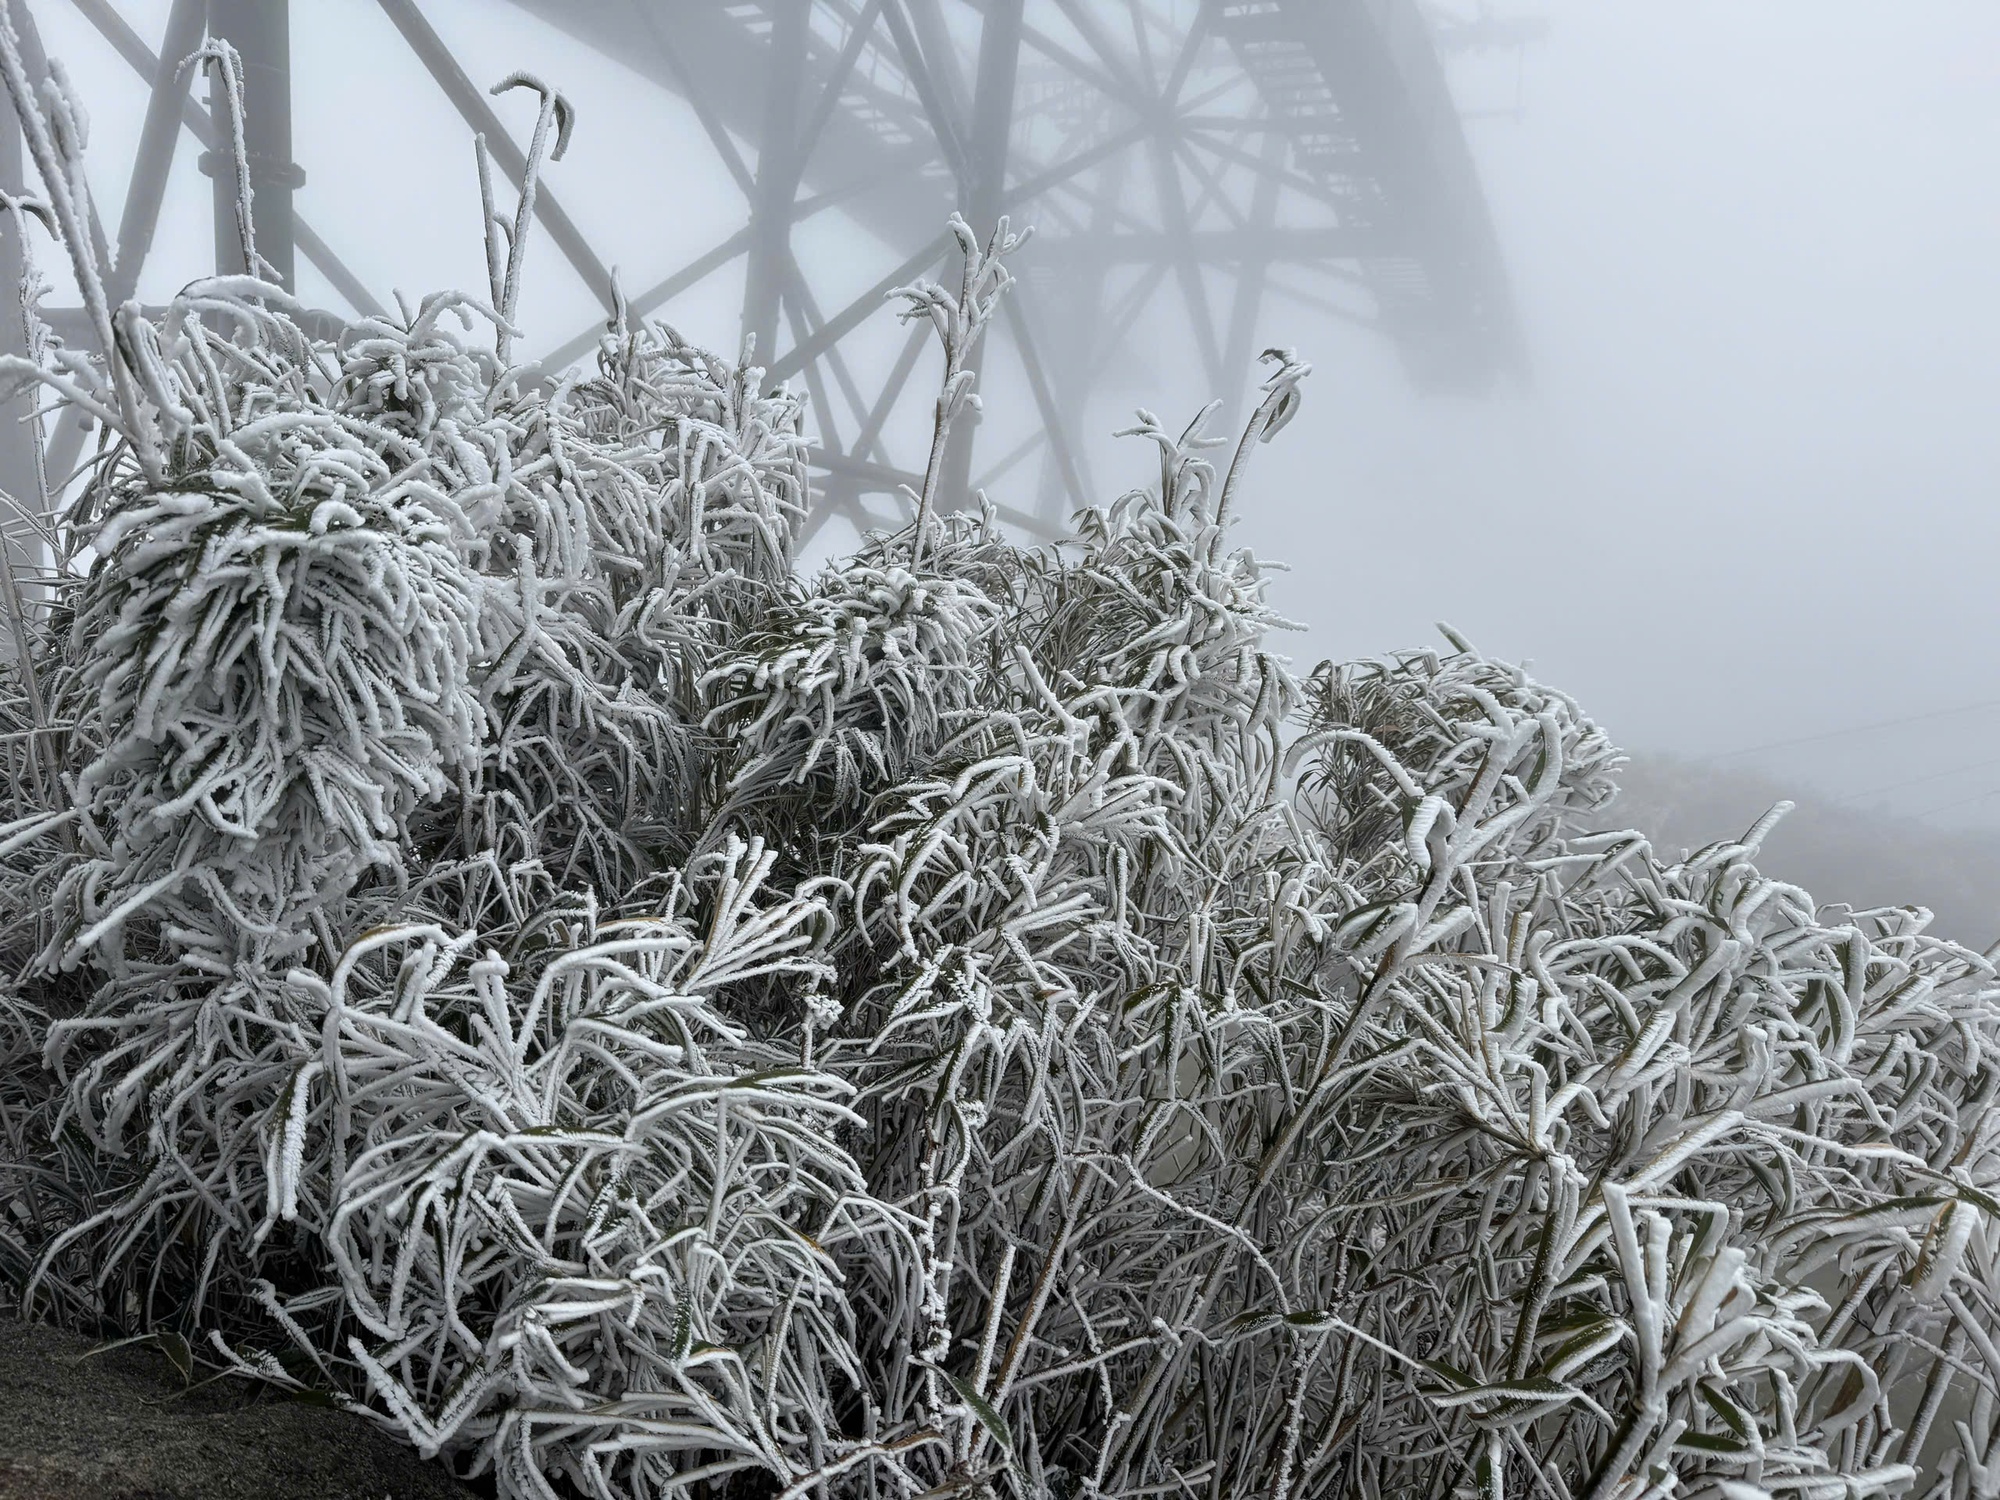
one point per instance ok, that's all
(972, 1022)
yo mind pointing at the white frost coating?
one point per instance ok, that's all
(641, 1022)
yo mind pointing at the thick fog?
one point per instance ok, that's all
(1746, 497)
(1750, 496)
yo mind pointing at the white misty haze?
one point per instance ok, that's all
(1749, 494)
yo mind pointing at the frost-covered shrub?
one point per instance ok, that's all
(279, 631)
(491, 944)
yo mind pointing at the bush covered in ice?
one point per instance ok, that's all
(491, 944)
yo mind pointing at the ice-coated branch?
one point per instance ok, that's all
(55, 130)
(959, 319)
(1279, 404)
(554, 110)
(222, 58)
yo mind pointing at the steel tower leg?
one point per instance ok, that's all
(17, 439)
(1250, 277)
(154, 161)
(982, 193)
(1076, 332)
(261, 32)
(780, 157)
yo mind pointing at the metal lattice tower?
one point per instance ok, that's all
(1194, 156)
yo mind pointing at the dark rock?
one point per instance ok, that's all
(122, 1425)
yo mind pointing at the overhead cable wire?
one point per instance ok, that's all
(1897, 786)
(1958, 802)
(1835, 734)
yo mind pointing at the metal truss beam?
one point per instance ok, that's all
(869, 303)
(1348, 85)
(779, 161)
(1361, 84)
(982, 194)
(875, 128)
(126, 42)
(1218, 247)
(147, 188)
(1212, 144)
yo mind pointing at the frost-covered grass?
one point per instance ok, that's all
(492, 943)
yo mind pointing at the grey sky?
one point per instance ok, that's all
(1750, 494)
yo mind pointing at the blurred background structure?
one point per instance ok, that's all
(1182, 161)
